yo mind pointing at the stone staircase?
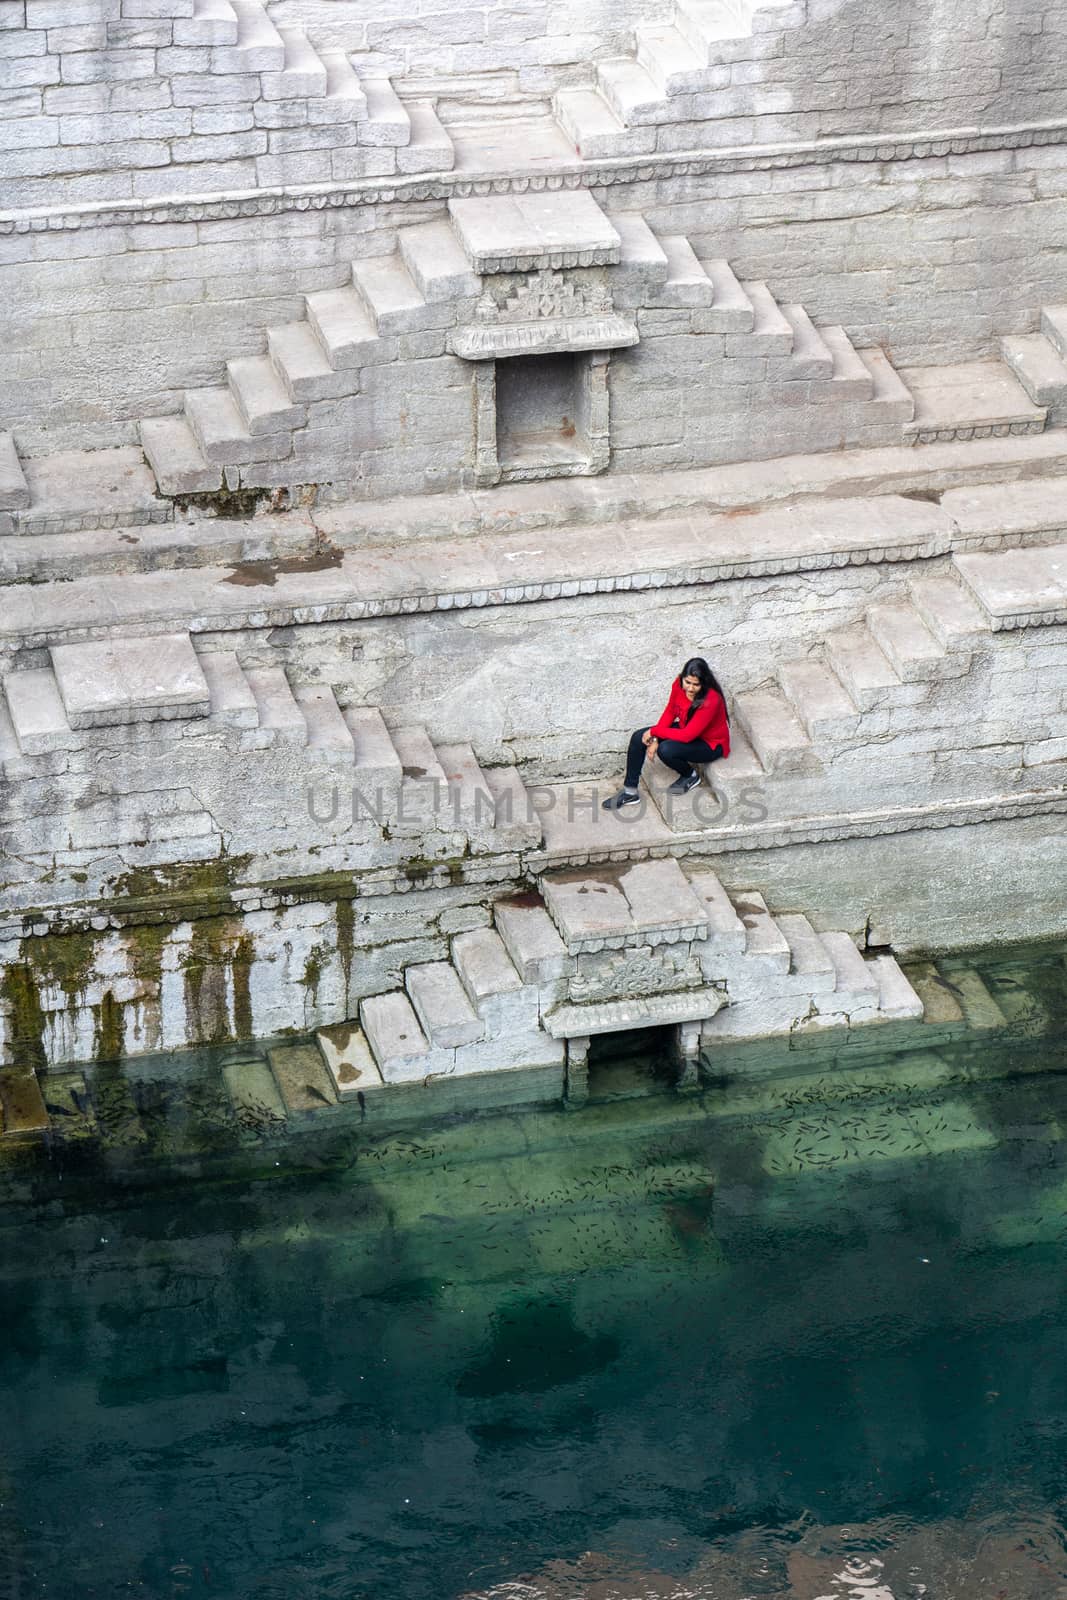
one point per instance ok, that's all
(814, 729)
(681, 73)
(407, 784)
(1039, 361)
(295, 412)
(606, 951)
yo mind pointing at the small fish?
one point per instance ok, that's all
(362, 1098)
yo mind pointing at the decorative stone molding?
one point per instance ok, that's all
(593, 175)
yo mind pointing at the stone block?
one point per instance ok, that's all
(520, 233)
(108, 682)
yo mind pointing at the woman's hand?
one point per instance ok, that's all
(653, 747)
(646, 737)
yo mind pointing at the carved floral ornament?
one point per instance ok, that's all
(543, 314)
(544, 294)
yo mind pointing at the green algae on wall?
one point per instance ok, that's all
(21, 996)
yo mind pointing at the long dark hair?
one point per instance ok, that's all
(698, 668)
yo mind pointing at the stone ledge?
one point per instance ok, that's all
(380, 583)
(508, 871)
(597, 174)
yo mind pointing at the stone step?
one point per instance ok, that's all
(819, 699)
(862, 667)
(303, 73)
(13, 763)
(386, 122)
(595, 129)
(108, 683)
(345, 99)
(731, 309)
(763, 937)
(390, 294)
(969, 400)
(856, 990)
(302, 364)
(328, 735)
(259, 47)
(424, 787)
(949, 612)
(303, 1081)
(706, 23)
(213, 22)
(344, 328)
(349, 1059)
(890, 391)
(980, 1010)
(397, 1043)
(770, 327)
(14, 490)
(671, 61)
(23, 1113)
(483, 966)
(941, 1006)
(174, 454)
(687, 285)
(905, 641)
(440, 1002)
(376, 765)
(851, 380)
(1015, 588)
(472, 804)
(429, 147)
(437, 262)
(641, 257)
(218, 426)
(1054, 327)
(254, 1096)
(648, 903)
(741, 769)
(809, 958)
(261, 397)
(530, 938)
(896, 997)
(1038, 366)
(774, 732)
(278, 710)
(812, 358)
(232, 700)
(516, 825)
(631, 92)
(661, 897)
(726, 932)
(38, 717)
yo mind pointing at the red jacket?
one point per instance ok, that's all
(708, 721)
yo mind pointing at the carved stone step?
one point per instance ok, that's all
(812, 358)
(687, 285)
(819, 700)
(174, 454)
(14, 490)
(107, 683)
(445, 1013)
(328, 735)
(731, 309)
(303, 366)
(429, 148)
(890, 392)
(303, 73)
(851, 379)
(437, 262)
(386, 122)
(390, 294)
(632, 93)
(595, 128)
(775, 733)
(671, 61)
(261, 396)
(1039, 367)
(905, 641)
(862, 667)
(279, 712)
(530, 937)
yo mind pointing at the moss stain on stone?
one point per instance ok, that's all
(109, 1034)
(21, 995)
(241, 959)
(345, 914)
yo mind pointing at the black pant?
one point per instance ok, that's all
(677, 754)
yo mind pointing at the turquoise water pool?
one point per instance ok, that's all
(801, 1335)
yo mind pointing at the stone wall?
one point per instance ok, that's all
(933, 259)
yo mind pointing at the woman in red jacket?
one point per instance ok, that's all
(694, 727)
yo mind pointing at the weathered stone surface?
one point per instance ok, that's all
(105, 683)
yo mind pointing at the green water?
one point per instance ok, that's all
(801, 1335)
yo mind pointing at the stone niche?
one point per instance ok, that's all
(541, 343)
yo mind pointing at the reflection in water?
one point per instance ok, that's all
(800, 1337)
